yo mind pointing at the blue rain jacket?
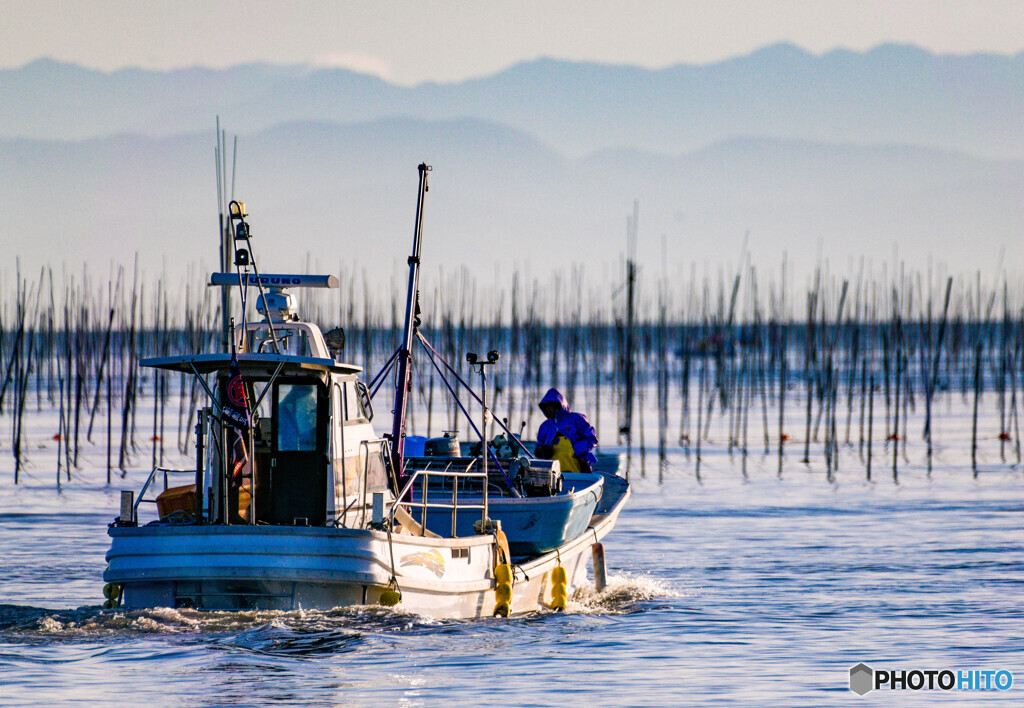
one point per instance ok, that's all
(573, 426)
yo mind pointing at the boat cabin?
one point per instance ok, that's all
(309, 455)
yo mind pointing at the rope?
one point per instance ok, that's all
(455, 397)
(472, 393)
(378, 379)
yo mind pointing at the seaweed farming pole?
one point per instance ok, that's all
(897, 346)
(628, 369)
(810, 361)
(933, 376)
(411, 319)
(662, 349)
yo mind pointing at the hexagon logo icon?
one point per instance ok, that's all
(861, 679)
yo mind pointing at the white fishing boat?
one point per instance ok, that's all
(296, 502)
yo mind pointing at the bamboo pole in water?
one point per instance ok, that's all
(933, 374)
(918, 352)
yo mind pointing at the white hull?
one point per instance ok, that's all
(273, 567)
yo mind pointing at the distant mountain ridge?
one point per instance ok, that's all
(888, 95)
(501, 198)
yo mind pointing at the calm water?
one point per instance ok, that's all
(724, 590)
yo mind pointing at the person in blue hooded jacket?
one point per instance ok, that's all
(573, 426)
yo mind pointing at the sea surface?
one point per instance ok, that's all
(725, 589)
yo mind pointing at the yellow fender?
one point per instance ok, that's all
(392, 595)
(559, 592)
(502, 589)
(503, 575)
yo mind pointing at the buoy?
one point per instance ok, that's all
(559, 592)
(600, 577)
(391, 595)
(111, 591)
(109, 604)
(502, 589)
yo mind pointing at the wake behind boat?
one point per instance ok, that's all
(297, 502)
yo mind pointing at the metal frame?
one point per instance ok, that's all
(149, 481)
(426, 473)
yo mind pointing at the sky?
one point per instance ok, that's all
(410, 42)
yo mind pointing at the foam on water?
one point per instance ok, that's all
(88, 622)
(625, 593)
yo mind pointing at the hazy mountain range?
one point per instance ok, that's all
(842, 156)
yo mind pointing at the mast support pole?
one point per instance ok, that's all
(411, 322)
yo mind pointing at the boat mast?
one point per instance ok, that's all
(224, 236)
(411, 321)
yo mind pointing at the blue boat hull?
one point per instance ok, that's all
(532, 525)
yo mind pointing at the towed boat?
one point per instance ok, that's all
(296, 501)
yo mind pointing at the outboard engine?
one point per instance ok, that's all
(540, 478)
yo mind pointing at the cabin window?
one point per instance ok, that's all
(296, 417)
(302, 344)
(291, 341)
(354, 409)
(260, 416)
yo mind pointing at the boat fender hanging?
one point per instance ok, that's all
(113, 592)
(391, 595)
(600, 572)
(502, 589)
(559, 591)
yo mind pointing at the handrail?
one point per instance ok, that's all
(149, 481)
(384, 454)
(454, 504)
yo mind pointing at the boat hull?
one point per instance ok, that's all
(290, 568)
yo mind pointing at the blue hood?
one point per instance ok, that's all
(554, 396)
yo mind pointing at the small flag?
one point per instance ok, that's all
(236, 415)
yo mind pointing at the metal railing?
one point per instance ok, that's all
(425, 474)
(149, 481)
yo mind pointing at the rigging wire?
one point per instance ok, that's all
(455, 397)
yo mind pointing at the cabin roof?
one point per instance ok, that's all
(255, 364)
